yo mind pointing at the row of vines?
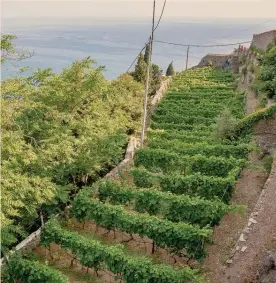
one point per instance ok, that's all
(173, 196)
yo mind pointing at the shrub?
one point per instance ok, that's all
(268, 160)
(225, 124)
(252, 68)
(262, 101)
(245, 125)
(242, 59)
(170, 71)
(268, 72)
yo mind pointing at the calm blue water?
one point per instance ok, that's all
(56, 43)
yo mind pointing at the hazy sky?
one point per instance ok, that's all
(139, 8)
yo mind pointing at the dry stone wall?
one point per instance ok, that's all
(265, 133)
(261, 40)
(216, 60)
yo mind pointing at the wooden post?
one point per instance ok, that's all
(187, 57)
(41, 219)
(145, 100)
(147, 81)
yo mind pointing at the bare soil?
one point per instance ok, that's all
(225, 235)
(135, 245)
(226, 263)
(260, 240)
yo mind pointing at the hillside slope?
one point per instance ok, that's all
(186, 177)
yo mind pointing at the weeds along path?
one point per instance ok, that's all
(154, 223)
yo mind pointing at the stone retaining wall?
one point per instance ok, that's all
(261, 40)
(265, 134)
(216, 60)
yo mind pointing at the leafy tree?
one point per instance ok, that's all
(170, 70)
(225, 124)
(60, 132)
(9, 52)
(156, 71)
(147, 53)
(140, 70)
(156, 78)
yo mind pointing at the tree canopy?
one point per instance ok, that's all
(147, 53)
(60, 132)
(8, 50)
(170, 70)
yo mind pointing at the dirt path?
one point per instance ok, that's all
(225, 236)
(260, 234)
(226, 263)
(251, 100)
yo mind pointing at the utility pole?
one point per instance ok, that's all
(147, 81)
(187, 57)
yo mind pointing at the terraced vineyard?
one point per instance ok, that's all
(176, 192)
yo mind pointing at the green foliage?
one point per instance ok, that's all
(166, 234)
(184, 158)
(197, 184)
(268, 160)
(245, 125)
(203, 148)
(160, 214)
(178, 126)
(162, 159)
(170, 70)
(156, 136)
(9, 52)
(251, 68)
(225, 124)
(133, 269)
(26, 271)
(147, 53)
(176, 118)
(71, 129)
(268, 72)
(256, 50)
(256, 85)
(173, 207)
(242, 59)
(6, 46)
(59, 132)
(140, 71)
(156, 78)
(262, 101)
(265, 75)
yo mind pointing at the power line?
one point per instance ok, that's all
(164, 5)
(152, 33)
(198, 45)
(136, 58)
(144, 120)
(238, 32)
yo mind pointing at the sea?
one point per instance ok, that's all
(56, 43)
